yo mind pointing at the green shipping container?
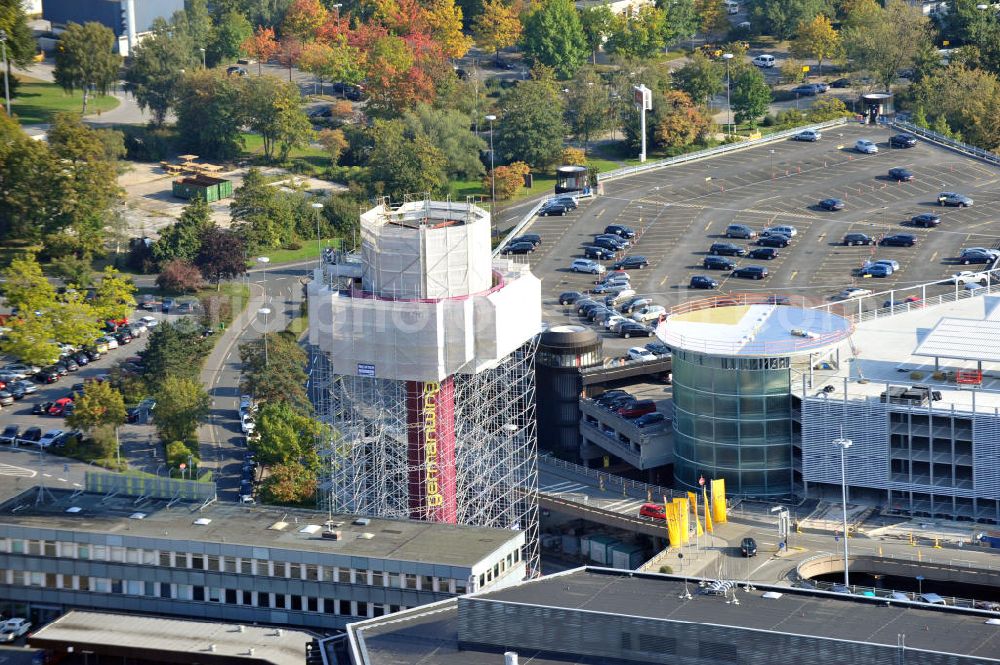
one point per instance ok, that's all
(204, 187)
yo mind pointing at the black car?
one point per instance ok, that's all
(518, 248)
(750, 272)
(649, 419)
(349, 91)
(620, 230)
(30, 435)
(569, 201)
(69, 364)
(587, 310)
(47, 375)
(726, 249)
(717, 263)
(581, 303)
(599, 253)
(125, 337)
(703, 282)
(93, 354)
(569, 297)
(658, 349)
(611, 395)
(748, 547)
(77, 389)
(779, 300)
(554, 209)
(926, 220)
(900, 174)
(858, 239)
(975, 256)
(9, 434)
(634, 329)
(841, 83)
(235, 71)
(831, 204)
(773, 240)
(16, 391)
(40, 408)
(638, 262)
(533, 238)
(611, 242)
(899, 240)
(635, 303)
(601, 310)
(902, 141)
(806, 89)
(763, 253)
(81, 358)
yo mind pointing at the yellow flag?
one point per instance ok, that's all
(719, 500)
(708, 511)
(682, 518)
(673, 525)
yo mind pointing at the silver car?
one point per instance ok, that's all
(954, 199)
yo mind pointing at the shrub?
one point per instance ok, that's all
(666, 570)
(293, 245)
(179, 276)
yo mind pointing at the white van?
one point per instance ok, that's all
(764, 60)
(732, 7)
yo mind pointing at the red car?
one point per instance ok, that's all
(637, 408)
(59, 406)
(654, 510)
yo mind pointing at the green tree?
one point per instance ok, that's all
(639, 35)
(20, 40)
(277, 376)
(597, 23)
(231, 30)
(262, 216)
(890, 42)
(72, 320)
(85, 60)
(30, 339)
(403, 161)
(181, 404)
(222, 255)
(100, 405)
(303, 19)
(196, 21)
(497, 26)
(816, 39)
(587, 106)
(681, 19)
(273, 109)
(210, 113)
(178, 453)
(750, 95)
(700, 78)
(284, 435)
(77, 272)
(156, 67)
(554, 37)
(114, 297)
(25, 288)
(29, 213)
(449, 131)
(182, 239)
(289, 484)
(711, 16)
(173, 349)
(781, 18)
(531, 127)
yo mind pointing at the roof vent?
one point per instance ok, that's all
(774, 595)
(367, 535)
(361, 521)
(278, 526)
(333, 534)
(74, 509)
(137, 516)
(241, 628)
(310, 528)
(202, 521)
(211, 647)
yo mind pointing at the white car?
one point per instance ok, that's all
(866, 146)
(970, 277)
(247, 424)
(52, 437)
(649, 313)
(586, 265)
(13, 629)
(808, 135)
(764, 60)
(782, 229)
(852, 293)
(110, 341)
(640, 353)
(150, 321)
(614, 320)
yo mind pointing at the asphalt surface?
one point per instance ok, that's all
(678, 212)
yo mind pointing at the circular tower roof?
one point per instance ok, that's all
(569, 339)
(752, 325)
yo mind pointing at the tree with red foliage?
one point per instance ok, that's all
(261, 45)
(179, 276)
(291, 51)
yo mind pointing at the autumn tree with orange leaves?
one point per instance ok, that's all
(261, 45)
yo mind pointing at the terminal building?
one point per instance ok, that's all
(62, 550)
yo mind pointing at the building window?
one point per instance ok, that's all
(295, 571)
(215, 594)
(344, 575)
(197, 562)
(135, 587)
(17, 546)
(296, 604)
(164, 590)
(166, 559)
(246, 567)
(482, 580)
(100, 553)
(117, 554)
(313, 604)
(230, 596)
(198, 593)
(35, 547)
(211, 563)
(279, 601)
(411, 582)
(312, 573)
(427, 583)
(263, 599)
(247, 598)
(344, 607)
(49, 548)
(460, 587)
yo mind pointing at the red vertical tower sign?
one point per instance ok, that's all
(430, 452)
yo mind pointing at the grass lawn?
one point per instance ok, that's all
(253, 146)
(37, 102)
(304, 253)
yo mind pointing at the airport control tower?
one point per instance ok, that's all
(423, 351)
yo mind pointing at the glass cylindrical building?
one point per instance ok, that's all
(563, 351)
(734, 360)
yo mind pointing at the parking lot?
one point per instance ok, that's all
(678, 212)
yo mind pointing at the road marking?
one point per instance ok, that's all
(62, 480)
(707, 226)
(664, 280)
(792, 276)
(47, 475)
(16, 471)
(599, 213)
(933, 256)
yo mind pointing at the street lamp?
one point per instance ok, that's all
(202, 58)
(263, 261)
(6, 73)
(727, 57)
(319, 245)
(264, 311)
(844, 444)
(493, 176)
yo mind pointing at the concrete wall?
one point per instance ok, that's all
(823, 565)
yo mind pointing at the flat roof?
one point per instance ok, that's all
(255, 526)
(797, 611)
(145, 636)
(751, 328)
(965, 339)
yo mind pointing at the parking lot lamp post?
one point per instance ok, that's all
(319, 245)
(6, 82)
(493, 175)
(264, 311)
(203, 58)
(844, 444)
(729, 105)
(263, 261)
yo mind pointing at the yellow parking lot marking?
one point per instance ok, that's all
(600, 212)
(792, 276)
(707, 226)
(664, 280)
(933, 256)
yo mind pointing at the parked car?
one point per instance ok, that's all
(841, 83)
(620, 230)
(852, 293)
(658, 348)
(70, 364)
(610, 242)
(726, 249)
(782, 230)
(570, 202)
(649, 313)
(569, 297)
(901, 174)
(586, 265)
(554, 209)
(750, 272)
(634, 303)
(617, 297)
(656, 511)
(975, 255)
(906, 301)
(806, 90)
(81, 358)
(740, 231)
(598, 253)
(6, 398)
(52, 438)
(865, 146)
(808, 135)
(640, 353)
(22, 371)
(59, 406)
(609, 395)
(629, 262)
(40, 408)
(877, 270)
(774, 240)
(112, 342)
(900, 240)
(888, 262)
(518, 248)
(30, 436)
(610, 286)
(969, 277)
(926, 220)
(717, 263)
(47, 375)
(636, 408)
(902, 141)
(858, 239)
(634, 329)
(763, 254)
(649, 419)
(9, 434)
(764, 60)
(831, 204)
(748, 547)
(15, 390)
(13, 629)
(954, 199)
(703, 282)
